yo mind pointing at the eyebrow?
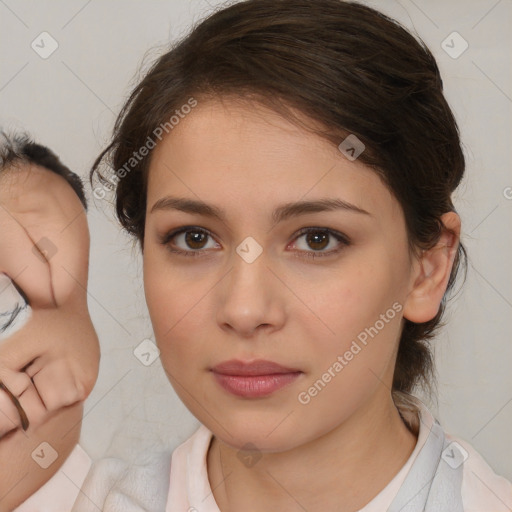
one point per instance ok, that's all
(281, 213)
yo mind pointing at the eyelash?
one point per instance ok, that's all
(345, 241)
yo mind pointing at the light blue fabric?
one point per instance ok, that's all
(432, 484)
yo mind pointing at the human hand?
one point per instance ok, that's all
(53, 360)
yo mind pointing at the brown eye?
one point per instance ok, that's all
(188, 241)
(195, 239)
(318, 239)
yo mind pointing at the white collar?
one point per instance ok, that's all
(60, 492)
(190, 487)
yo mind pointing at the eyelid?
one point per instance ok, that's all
(166, 237)
(331, 231)
(340, 237)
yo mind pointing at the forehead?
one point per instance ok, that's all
(246, 154)
(38, 198)
(31, 181)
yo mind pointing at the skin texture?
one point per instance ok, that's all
(22, 476)
(52, 362)
(338, 451)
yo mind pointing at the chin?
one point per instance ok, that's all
(264, 430)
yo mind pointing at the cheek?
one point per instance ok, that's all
(349, 366)
(354, 299)
(174, 303)
(163, 290)
(360, 308)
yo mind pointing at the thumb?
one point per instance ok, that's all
(24, 263)
(25, 345)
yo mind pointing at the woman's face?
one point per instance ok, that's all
(248, 288)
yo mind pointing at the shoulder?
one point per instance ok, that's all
(482, 488)
(114, 485)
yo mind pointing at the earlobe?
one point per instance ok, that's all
(433, 272)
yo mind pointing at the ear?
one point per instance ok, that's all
(432, 272)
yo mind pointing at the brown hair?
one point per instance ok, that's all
(346, 66)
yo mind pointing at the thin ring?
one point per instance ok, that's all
(23, 416)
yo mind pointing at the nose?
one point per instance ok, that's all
(250, 298)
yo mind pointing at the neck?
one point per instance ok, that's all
(349, 465)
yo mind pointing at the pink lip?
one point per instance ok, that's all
(255, 379)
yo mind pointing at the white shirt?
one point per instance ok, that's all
(482, 489)
(61, 491)
(113, 486)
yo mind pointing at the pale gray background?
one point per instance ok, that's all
(68, 102)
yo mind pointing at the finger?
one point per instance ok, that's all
(22, 263)
(13, 415)
(9, 415)
(72, 348)
(21, 386)
(55, 383)
(33, 406)
(16, 403)
(67, 238)
(23, 346)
